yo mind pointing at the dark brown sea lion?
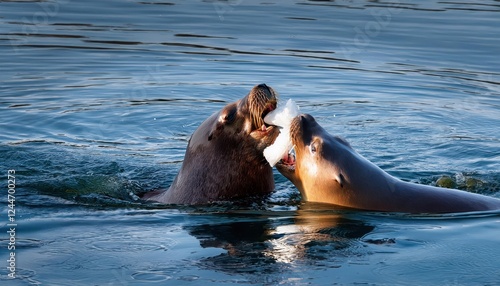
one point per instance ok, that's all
(224, 158)
(328, 170)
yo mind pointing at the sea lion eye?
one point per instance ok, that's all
(313, 148)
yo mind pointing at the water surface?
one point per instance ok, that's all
(99, 99)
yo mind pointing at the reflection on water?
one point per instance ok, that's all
(262, 244)
(312, 232)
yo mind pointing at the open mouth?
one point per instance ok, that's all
(289, 160)
(258, 119)
(270, 106)
(261, 100)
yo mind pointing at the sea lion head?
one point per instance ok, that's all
(316, 165)
(245, 119)
(224, 159)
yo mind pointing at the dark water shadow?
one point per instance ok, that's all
(275, 242)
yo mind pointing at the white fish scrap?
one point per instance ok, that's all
(282, 116)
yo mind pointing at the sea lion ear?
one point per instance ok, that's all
(340, 179)
(217, 127)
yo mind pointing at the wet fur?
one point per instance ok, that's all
(224, 159)
(346, 178)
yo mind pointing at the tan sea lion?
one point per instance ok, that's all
(327, 169)
(224, 158)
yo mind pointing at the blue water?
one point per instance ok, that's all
(99, 98)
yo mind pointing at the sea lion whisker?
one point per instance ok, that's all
(257, 116)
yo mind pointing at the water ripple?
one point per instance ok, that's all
(151, 276)
(99, 100)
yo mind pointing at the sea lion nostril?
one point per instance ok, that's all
(303, 119)
(307, 120)
(262, 85)
(269, 93)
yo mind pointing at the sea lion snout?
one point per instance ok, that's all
(263, 94)
(303, 121)
(302, 128)
(267, 91)
(296, 126)
(261, 100)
